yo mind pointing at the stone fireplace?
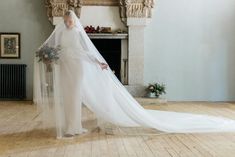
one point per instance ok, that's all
(113, 47)
(128, 47)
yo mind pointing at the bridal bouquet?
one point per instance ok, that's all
(48, 55)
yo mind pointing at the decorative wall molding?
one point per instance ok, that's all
(57, 8)
(128, 8)
(101, 2)
(135, 9)
(75, 5)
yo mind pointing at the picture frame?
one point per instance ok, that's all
(10, 46)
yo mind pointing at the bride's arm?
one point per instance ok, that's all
(90, 55)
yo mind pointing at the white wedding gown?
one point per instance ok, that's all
(77, 79)
(71, 84)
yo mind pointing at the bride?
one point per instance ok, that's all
(83, 76)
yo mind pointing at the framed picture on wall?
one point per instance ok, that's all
(10, 45)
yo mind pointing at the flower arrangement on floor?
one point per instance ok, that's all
(155, 90)
(48, 55)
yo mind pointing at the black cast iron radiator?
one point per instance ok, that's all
(12, 81)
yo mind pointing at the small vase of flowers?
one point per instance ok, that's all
(48, 55)
(155, 90)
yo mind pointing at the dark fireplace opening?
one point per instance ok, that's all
(110, 49)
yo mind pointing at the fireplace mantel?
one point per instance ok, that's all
(108, 35)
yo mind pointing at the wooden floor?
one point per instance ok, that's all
(21, 136)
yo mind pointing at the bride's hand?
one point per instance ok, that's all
(103, 66)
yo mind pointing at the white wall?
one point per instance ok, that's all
(103, 16)
(190, 46)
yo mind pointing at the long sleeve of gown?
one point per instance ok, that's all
(85, 47)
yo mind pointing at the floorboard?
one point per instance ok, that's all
(21, 135)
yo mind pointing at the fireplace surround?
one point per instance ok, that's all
(135, 14)
(113, 47)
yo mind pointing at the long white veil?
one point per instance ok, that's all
(103, 94)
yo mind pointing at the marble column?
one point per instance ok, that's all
(136, 55)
